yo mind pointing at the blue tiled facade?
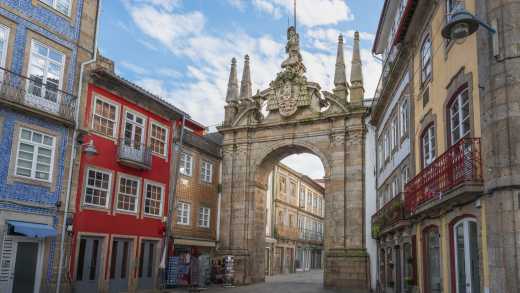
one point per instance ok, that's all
(23, 200)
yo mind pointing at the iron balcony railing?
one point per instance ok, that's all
(134, 153)
(461, 163)
(32, 92)
(307, 234)
(391, 213)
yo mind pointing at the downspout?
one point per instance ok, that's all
(74, 146)
(171, 199)
(219, 199)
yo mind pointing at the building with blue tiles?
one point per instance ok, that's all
(42, 46)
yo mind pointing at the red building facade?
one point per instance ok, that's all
(121, 202)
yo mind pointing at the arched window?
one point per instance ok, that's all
(428, 145)
(465, 251)
(426, 58)
(459, 115)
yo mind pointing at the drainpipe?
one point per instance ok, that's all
(74, 146)
(171, 200)
(219, 199)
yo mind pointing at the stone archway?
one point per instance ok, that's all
(300, 120)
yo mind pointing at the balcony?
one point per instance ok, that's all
(310, 235)
(134, 154)
(30, 94)
(285, 232)
(455, 176)
(389, 215)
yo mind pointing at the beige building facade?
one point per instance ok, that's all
(294, 225)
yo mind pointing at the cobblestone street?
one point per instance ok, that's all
(308, 282)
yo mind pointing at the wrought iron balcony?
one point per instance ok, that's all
(34, 95)
(310, 235)
(391, 213)
(460, 166)
(134, 154)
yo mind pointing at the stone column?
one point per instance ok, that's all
(499, 82)
(346, 263)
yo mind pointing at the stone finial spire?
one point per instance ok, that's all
(357, 90)
(232, 88)
(340, 75)
(246, 89)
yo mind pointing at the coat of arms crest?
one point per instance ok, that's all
(287, 102)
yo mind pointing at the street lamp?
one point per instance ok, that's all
(461, 24)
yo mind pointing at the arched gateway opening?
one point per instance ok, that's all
(300, 119)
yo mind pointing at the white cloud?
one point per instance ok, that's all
(239, 4)
(309, 12)
(362, 35)
(133, 67)
(208, 56)
(307, 164)
(168, 5)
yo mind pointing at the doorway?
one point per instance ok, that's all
(88, 268)
(22, 260)
(120, 265)
(147, 264)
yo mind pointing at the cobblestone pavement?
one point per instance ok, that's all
(308, 282)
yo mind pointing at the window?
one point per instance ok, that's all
(404, 177)
(459, 117)
(62, 6)
(291, 221)
(35, 155)
(153, 199)
(283, 182)
(292, 188)
(309, 200)
(183, 213)
(302, 197)
(204, 214)
(105, 117)
(4, 38)
(158, 137)
(206, 172)
(128, 194)
(404, 118)
(467, 267)
(395, 133)
(426, 59)
(450, 7)
(186, 164)
(97, 188)
(433, 260)
(386, 146)
(428, 145)
(134, 130)
(380, 155)
(45, 70)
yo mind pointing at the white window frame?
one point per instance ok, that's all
(134, 124)
(465, 222)
(203, 213)
(36, 146)
(183, 162)
(137, 195)
(404, 118)
(166, 138)
(428, 145)
(115, 121)
(45, 70)
(386, 143)
(54, 5)
(460, 104)
(206, 171)
(183, 213)
(4, 30)
(404, 177)
(145, 198)
(395, 133)
(426, 58)
(108, 190)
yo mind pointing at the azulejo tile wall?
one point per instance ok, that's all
(26, 192)
(56, 27)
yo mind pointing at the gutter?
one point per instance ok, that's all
(74, 146)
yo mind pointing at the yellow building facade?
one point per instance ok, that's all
(438, 210)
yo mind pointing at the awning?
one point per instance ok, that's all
(34, 230)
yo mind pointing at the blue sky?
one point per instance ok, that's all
(181, 49)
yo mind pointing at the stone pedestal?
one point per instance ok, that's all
(346, 269)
